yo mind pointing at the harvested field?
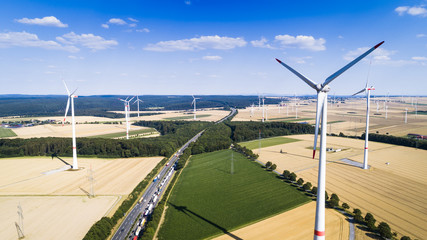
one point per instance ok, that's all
(82, 130)
(55, 204)
(394, 193)
(24, 176)
(295, 224)
(204, 114)
(56, 217)
(349, 117)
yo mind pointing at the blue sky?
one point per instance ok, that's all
(210, 46)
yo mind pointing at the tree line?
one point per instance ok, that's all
(174, 134)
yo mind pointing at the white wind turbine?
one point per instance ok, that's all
(127, 114)
(71, 97)
(368, 97)
(263, 114)
(321, 110)
(252, 109)
(137, 101)
(194, 103)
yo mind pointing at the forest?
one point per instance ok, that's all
(100, 106)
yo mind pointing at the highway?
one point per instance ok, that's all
(148, 196)
(153, 193)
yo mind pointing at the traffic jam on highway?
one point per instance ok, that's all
(134, 223)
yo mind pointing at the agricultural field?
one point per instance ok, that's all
(188, 117)
(146, 132)
(349, 117)
(267, 142)
(82, 130)
(212, 197)
(6, 132)
(202, 115)
(56, 203)
(393, 192)
(295, 224)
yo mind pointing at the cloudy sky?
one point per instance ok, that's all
(210, 46)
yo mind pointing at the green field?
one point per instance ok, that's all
(188, 117)
(123, 134)
(267, 142)
(6, 132)
(208, 200)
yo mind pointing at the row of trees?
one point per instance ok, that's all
(246, 131)
(174, 134)
(402, 141)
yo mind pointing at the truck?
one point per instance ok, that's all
(154, 198)
(155, 179)
(140, 200)
(137, 231)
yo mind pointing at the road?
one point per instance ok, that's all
(153, 193)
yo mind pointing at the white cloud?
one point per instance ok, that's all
(187, 2)
(419, 58)
(414, 11)
(132, 25)
(143, 30)
(212, 58)
(24, 39)
(340, 37)
(301, 60)
(201, 43)
(421, 35)
(46, 21)
(132, 19)
(117, 21)
(302, 42)
(380, 56)
(87, 40)
(75, 57)
(261, 43)
(106, 26)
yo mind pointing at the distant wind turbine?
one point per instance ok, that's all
(321, 111)
(127, 114)
(137, 101)
(194, 103)
(367, 90)
(71, 97)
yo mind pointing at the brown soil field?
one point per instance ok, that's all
(296, 224)
(82, 130)
(394, 193)
(351, 115)
(55, 204)
(56, 217)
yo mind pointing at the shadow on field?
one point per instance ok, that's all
(185, 210)
(62, 160)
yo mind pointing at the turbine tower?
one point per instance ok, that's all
(137, 103)
(263, 114)
(321, 110)
(127, 114)
(368, 97)
(406, 115)
(194, 103)
(71, 97)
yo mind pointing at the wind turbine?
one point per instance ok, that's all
(263, 115)
(252, 109)
(127, 114)
(406, 115)
(137, 102)
(321, 110)
(194, 103)
(368, 97)
(71, 97)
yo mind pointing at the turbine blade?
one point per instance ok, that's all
(74, 91)
(66, 110)
(305, 79)
(68, 91)
(349, 65)
(361, 91)
(131, 99)
(318, 113)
